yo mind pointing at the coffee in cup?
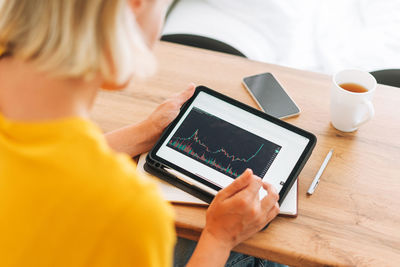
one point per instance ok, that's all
(352, 92)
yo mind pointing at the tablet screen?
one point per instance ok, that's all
(218, 141)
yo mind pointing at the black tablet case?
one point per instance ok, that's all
(169, 178)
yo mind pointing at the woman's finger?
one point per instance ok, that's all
(239, 184)
(186, 94)
(252, 190)
(272, 213)
(271, 198)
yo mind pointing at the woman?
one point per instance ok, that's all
(68, 196)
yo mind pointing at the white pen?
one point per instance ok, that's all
(319, 173)
(191, 181)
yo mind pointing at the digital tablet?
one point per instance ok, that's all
(215, 138)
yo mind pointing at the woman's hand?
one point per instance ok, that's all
(165, 113)
(138, 138)
(235, 214)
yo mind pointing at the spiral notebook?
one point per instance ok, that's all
(178, 196)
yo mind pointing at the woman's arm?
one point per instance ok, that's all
(133, 139)
(209, 252)
(138, 138)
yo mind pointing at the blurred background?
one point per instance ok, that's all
(321, 36)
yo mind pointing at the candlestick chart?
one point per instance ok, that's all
(222, 146)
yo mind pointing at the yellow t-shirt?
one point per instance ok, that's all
(66, 199)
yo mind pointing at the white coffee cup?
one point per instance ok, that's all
(350, 110)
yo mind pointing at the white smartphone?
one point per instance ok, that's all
(270, 96)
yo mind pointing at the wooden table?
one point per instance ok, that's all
(353, 218)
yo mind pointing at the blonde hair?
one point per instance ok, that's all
(76, 38)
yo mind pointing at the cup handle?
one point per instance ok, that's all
(370, 114)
